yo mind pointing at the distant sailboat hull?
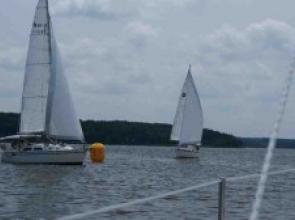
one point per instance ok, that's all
(187, 152)
(44, 157)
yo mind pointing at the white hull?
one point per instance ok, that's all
(44, 157)
(186, 152)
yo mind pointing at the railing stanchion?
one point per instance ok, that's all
(221, 199)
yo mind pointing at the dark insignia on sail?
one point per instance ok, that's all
(183, 95)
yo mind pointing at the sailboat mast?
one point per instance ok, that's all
(51, 76)
(178, 119)
(198, 99)
(184, 95)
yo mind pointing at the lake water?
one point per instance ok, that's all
(130, 172)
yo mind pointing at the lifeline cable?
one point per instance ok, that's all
(255, 175)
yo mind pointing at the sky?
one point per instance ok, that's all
(127, 59)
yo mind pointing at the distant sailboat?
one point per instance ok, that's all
(188, 123)
(48, 120)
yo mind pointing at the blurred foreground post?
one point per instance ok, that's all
(221, 199)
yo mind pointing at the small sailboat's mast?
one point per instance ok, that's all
(184, 95)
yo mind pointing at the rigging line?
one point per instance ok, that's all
(272, 144)
(137, 201)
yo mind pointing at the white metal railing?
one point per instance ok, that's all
(221, 207)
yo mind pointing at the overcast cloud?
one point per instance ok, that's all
(126, 60)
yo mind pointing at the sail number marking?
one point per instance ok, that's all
(40, 29)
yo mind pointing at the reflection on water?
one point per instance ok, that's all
(47, 192)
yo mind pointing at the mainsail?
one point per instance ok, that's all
(47, 106)
(37, 74)
(188, 121)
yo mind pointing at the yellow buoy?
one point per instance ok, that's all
(97, 152)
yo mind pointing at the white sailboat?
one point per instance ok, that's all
(49, 130)
(188, 122)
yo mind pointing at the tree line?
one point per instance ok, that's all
(127, 133)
